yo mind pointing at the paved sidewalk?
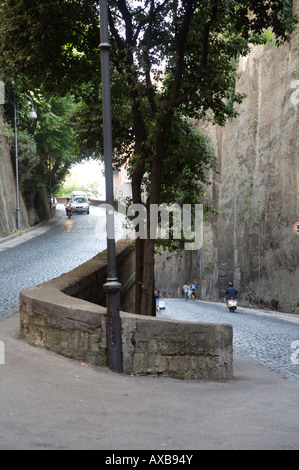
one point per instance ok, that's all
(31, 232)
(51, 402)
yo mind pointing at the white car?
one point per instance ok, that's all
(78, 193)
(80, 204)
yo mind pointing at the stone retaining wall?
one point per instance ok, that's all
(64, 315)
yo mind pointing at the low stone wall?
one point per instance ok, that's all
(64, 316)
(177, 349)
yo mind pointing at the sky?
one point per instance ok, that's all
(89, 172)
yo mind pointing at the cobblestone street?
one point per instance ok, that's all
(66, 245)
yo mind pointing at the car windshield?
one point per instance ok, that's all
(80, 200)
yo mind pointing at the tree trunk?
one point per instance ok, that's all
(147, 300)
(136, 193)
(139, 274)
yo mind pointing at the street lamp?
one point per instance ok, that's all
(112, 287)
(32, 115)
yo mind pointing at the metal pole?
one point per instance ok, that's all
(50, 187)
(17, 164)
(112, 286)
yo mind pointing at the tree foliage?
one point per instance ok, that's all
(55, 139)
(27, 152)
(51, 42)
(45, 147)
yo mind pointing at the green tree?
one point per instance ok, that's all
(46, 146)
(170, 57)
(55, 140)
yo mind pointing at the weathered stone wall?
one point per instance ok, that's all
(51, 316)
(181, 350)
(34, 210)
(86, 281)
(258, 199)
(251, 242)
(71, 327)
(8, 205)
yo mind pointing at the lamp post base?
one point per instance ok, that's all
(112, 288)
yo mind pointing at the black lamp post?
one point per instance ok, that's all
(112, 286)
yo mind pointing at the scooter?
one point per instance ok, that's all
(68, 209)
(232, 304)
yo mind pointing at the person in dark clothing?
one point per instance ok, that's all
(231, 292)
(157, 294)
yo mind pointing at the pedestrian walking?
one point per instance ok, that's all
(157, 294)
(186, 290)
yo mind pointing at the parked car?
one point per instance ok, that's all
(80, 204)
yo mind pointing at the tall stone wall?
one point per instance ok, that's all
(251, 242)
(258, 203)
(8, 205)
(35, 209)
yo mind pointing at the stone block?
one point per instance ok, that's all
(138, 363)
(162, 363)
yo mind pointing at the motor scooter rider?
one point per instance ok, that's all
(231, 292)
(193, 289)
(67, 203)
